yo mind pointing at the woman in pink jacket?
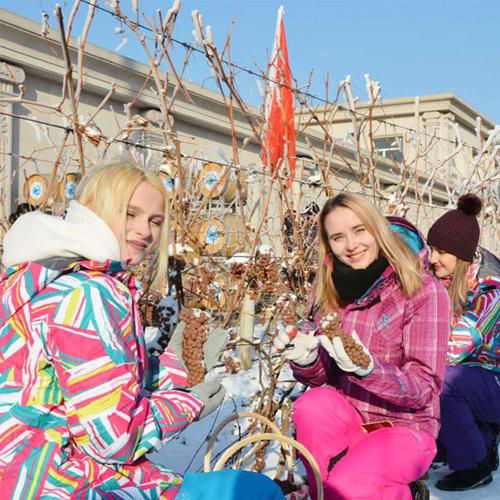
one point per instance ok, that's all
(371, 428)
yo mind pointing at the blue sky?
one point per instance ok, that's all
(413, 47)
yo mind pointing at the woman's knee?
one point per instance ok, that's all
(314, 399)
(460, 380)
(453, 374)
(384, 458)
(322, 403)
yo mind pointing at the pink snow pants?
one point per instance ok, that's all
(376, 466)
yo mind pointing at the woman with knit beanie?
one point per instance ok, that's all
(470, 401)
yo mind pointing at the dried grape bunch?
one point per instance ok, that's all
(331, 327)
(194, 338)
(198, 287)
(267, 273)
(261, 275)
(238, 269)
(260, 462)
(231, 365)
(290, 310)
(241, 269)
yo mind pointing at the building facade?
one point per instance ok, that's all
(32, 72)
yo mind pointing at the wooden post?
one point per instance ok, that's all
(246, 331)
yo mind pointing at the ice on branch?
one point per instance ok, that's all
(121, 44)
(198, 26)
(373, 90)
(45, 24)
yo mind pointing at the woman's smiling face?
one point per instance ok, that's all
(349, 238)
(145, 217)
(443, 263)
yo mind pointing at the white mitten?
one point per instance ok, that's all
(211, 393)
(215, 344)
(297, 347)
(335, 348)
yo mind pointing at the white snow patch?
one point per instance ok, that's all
(239, 258)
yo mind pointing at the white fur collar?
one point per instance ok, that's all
(82, 233)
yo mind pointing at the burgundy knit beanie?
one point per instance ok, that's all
(457, 231)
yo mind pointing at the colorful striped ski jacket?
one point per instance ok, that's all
(80, 402)
(475, 337)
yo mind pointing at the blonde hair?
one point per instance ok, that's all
(458, 287)
(107, 191)
(407, 266)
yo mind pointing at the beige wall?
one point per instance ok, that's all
(437, 116)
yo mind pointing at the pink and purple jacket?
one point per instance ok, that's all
(408, 340)
(80, 402)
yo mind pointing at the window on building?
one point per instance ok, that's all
(390, 147)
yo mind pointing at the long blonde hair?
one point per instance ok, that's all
(107, 191)
(458, 287)
(407, 266)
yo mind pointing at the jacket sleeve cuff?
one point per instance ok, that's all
(313, 374)
(356, 377)
(192, 402)
(172, 371)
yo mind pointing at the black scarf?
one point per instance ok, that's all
(351, 284)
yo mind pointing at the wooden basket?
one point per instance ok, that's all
(236, 416)
(285, 441)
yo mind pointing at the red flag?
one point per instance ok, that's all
(279, 141)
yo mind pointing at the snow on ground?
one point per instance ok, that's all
(186, 452)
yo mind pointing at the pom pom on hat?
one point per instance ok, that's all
(457, 231)
(470, 204)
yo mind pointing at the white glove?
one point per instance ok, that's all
(215, 344)
(301, 348)
(335, 348)
(211, 393)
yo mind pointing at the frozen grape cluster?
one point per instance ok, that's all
(290, 308)
(194, 338)
(331, 327)
(262, 275)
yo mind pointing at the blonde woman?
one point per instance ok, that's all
(80, 401)
(470, 401)
(371, 427)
